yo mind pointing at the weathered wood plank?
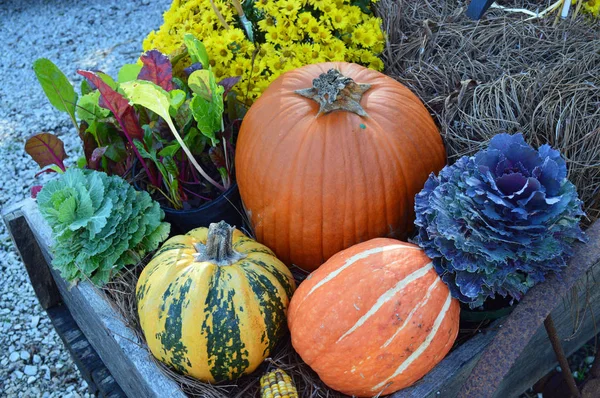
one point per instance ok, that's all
(118, 347)
(28, 248)
(85, 357)
(538, 358)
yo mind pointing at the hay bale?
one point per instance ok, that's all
(503, 74)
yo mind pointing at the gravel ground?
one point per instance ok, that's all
(73, 34)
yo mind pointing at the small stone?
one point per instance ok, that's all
(18, 374)
(31, 379)
(35, 321)
(589, 360)
(37, 359)
(30, 370)
(14, 356)
(25, 355)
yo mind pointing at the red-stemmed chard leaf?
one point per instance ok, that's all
(228, 84)
(117, 104)
(94, 162)
(157, 69)
(52, 169)
(123, 112)
(89, 142)
(35, 190)
(46, 149)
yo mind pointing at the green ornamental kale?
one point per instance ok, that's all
(100, 224)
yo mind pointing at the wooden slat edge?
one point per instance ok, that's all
(124, 356)
(32, 257)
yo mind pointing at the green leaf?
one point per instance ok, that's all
(223, 173)
(108, 80)
(184, 115)
(89, 110)
(177, 99)
(195, 141)
(207, 104)
(149, 140)
(116, 151)
(170, 150)
(81, 162)
(56, 168)
(148, 95)
(129, 72)
(171, 166)
(196, 50)
(85, 87)
(207, 117)
(201, 83)
(142, 150)
(56, 86)
(153, 97)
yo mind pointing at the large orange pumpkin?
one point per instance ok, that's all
(374, 318)
(316, 179)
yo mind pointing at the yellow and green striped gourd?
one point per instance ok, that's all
(213, 303)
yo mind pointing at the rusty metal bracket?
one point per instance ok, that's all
(525, 320)
(560, 355)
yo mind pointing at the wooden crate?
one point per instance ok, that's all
(129, 362)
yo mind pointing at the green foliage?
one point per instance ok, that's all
(90, 111)
(128, 72)
(57, 87)
(207, 104)
(100, 224)
(196, 50)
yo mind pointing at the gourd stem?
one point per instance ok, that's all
(334, 91)
(218, 248)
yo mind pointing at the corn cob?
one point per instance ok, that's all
(277, 384)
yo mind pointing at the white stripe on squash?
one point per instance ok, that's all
(360, 256)
(412, 312)
(387, 296)
(417, 353)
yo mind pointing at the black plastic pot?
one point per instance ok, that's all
(227, 207)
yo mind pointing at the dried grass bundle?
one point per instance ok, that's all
(503, 74)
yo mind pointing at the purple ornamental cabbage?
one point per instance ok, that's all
(500, 221)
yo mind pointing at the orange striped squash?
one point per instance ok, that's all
(374, 318)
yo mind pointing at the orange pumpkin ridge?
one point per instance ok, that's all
(374, 318)
(315, 185)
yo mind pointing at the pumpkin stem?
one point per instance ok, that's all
(334, 91)
(218, 248)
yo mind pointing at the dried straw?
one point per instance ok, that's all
(121, 294)
(503, 74)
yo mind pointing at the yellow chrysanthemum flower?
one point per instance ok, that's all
(289, 7)
(592, 7)
(304, 19)
(287, 33)
(338, 19)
